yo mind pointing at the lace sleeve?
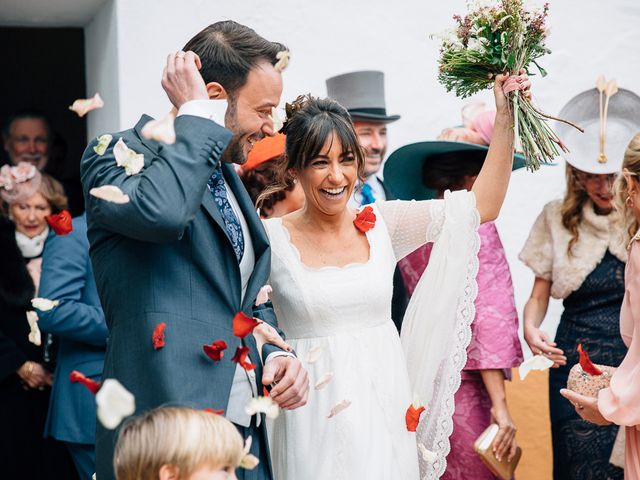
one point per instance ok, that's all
(411, 224)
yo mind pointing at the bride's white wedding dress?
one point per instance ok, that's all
(338, 320)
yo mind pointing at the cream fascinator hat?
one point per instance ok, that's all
(19, 183)
(610, 117)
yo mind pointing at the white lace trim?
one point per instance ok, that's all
(464, 317)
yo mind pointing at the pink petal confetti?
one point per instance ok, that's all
(114, 403)
(427, 455)
(339, 407)
(103, 143)
(323, 381)
(263, 295)
(262, 405)
(110, 193)
(160, 130)
(82, 106)
(131, 161)
(314, 354)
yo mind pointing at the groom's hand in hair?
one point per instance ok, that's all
(181, 78)
(292, 382)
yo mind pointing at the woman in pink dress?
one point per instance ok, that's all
(620, 402)
(495, 347)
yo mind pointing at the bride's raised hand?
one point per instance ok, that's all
(265, 333)
(505, 83)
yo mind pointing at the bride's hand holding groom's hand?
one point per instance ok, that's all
(292, 381)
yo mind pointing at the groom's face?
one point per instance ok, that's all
(249, 112)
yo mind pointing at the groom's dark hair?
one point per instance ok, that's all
(228, 51)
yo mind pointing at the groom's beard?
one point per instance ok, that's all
(234, 153)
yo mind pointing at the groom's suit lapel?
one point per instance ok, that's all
(258, 236)
(256, 230)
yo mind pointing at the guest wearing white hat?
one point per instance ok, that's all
(577, 251)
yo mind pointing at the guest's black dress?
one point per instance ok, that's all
(581, 450)
(24, 453)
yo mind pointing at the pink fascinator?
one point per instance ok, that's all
(18, 183)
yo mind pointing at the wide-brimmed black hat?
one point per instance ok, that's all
(403, 170)
(362, 94)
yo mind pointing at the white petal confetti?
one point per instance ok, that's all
(538, 362)
(82, 106)
(103, 143)
(283, 60)
(114, 403)
(262, 405)
(44, 304)
(110, 193)
(338, 407)
(277, 121)
(249, 462)
(131, 161)
(427, 455)
(314, 354)
(323, 381)
(34, 335)
(160, 130)
(263, 295)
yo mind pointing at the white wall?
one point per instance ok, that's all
(103, 73)
(588, 37)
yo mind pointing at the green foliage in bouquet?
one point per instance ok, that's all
(489, 40)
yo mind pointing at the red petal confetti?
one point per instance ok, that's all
(586, 363)
(78, 377)
(215, 351)
(217, 412)
(158, 336)
(240, 358)
(265, 392)
(60, 223)
(243, 325)
(365, 220)
(412, 417)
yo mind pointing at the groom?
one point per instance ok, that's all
(188, 249)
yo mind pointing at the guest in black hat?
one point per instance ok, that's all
(362, 94)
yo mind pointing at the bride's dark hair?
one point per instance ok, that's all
(310, 123)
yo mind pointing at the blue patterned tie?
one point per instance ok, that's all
(367, 195)
(234, 229)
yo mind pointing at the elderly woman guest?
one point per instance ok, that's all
(426, 170)
(260, 172)
(28, 197)
(620, 402)
(577, 252)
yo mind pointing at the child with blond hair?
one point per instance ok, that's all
(173, 443)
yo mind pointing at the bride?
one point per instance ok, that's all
(332, 273)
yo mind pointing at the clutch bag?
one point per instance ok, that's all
(503, 469)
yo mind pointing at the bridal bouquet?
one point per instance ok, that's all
(498, 38)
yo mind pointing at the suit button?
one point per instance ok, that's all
(219, 144)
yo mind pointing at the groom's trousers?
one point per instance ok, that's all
(259, 449)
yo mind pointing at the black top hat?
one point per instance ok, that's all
(362, 94)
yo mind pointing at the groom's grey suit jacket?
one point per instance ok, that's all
(165, 257)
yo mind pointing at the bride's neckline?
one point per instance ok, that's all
(297, 254)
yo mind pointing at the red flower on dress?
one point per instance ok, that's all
(158, 336)
(412, 417)
(243, 325)
(78, 377)
(365, 220)
(586, 363)
(60, 223)
(215, 351)
(217, 412)
(240, 358)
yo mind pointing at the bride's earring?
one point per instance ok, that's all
(629, 200)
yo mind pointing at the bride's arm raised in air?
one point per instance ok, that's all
(407, 222)
(491, 185)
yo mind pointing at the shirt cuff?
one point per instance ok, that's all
(279, 354)
(212, 109)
